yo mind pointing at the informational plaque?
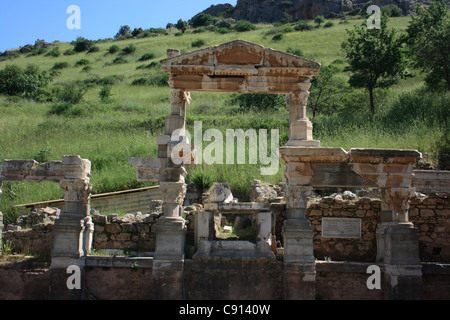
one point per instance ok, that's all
(341, 228)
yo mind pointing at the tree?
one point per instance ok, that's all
(376, 58)
(327, 91)
(124, 31)
(82, 44)
(319, 20)
(429, 43)
(182, 25)
(201, 20)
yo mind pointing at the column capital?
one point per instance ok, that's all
(173, 192)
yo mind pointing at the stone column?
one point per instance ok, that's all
(301, 128)
(171, 228)
(73, 230)
(397, 238)
(299, 261)
(398, 247)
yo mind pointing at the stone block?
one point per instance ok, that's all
(220, 193)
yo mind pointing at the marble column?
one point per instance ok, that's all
(301, 128)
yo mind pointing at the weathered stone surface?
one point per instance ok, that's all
(220, 193)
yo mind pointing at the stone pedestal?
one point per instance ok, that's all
(167, 279)
(299, 281)
(403, 269)
(170, 238)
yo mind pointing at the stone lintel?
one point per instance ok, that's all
(237, 208)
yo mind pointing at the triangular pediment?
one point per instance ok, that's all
(237, 57)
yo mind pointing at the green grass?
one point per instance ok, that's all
(109, 133)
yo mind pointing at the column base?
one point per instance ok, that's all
(403, 282)
(298, 241)
(303, 143)
(167, 280)
(170, 238)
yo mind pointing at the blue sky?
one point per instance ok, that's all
(24, 21)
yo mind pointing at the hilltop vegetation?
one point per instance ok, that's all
(106, 100)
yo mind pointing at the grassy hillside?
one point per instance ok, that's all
(126, 126)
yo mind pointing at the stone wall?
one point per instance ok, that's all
(33, 233)
(122, 278)
(131, 232)
(363, 249)
(431, 214)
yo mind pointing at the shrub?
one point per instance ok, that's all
(129, 49)
(223, 30)
(391, 10)
(243, 26)
(159, 80)
(202, 180)
(54, 53)
(82, 44)
(60, 65)
(178, 34)
(443, 151)
(86, 69)
(329, 24)
(82, 62)
(225, 23)
(67, 109)
(303, 26)
(69, 52)
(278, 37)
(139, 82)
(37, 52)
(113, 49)
(199, 30)
(297, 52)
(105, 93)
(72, 92)
(147, 56)
(201, 20)
(93, 49)
(198, 43)
(15, 81)
(119, 60)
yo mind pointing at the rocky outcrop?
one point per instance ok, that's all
(267, 11)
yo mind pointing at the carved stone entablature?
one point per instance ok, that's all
(240, 66)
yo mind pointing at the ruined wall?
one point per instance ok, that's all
(23, 281)
(431, 214)
(363, 249)
(129, 232)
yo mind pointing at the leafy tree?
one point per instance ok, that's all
(327, 91)
(201, 20)
(429, 41)
(182, 25)
(319, 20)
(136, 32)
(16, 82)
(243, 26)
(376, 58)
(124, 31)
(82, 44)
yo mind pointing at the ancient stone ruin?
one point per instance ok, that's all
(243, 67)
